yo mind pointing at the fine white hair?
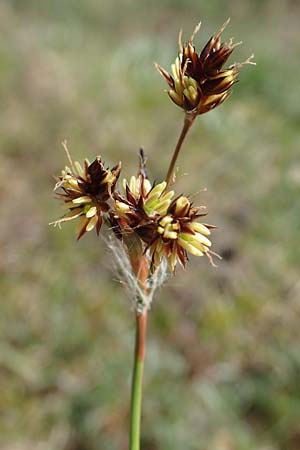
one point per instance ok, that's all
(141, 299)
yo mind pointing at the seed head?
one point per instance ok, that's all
(198, 82)
(85, 192)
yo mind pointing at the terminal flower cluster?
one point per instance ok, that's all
(198, 82)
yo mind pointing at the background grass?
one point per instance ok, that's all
(223, 361)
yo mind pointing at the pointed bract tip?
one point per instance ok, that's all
(160, 69)
(218, 34)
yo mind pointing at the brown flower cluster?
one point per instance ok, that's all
(198, 82)
(177, 233)
(85, 192)
(167, 227)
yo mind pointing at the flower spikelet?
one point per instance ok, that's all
(177, 233)
(168, 228)
(198, 82)
(85, 192)
(142, 202)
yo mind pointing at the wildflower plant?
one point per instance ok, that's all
(152, 230)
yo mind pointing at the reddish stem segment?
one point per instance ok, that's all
(140, 267)
(140, 339)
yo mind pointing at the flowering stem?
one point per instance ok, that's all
(188, 122)
(140, 268)
(137, 381)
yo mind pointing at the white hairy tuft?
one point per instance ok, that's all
(141, 300)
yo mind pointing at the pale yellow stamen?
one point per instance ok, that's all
(133, 185)
(160, 230)
(78, 168)
(168, 196)
(91, 212)
(175, 97)
(92, 223)
(163, 207)
(109, 178)
(147, 186)
(157, 190)
(189, 247)
(193, 93)
(82, 200)
(74, 184)
(200, 228)
(121, 207)
(168, 234)
(181, 204)
(195, 239)
(165, 220)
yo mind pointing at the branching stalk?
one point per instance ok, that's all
(188, 122)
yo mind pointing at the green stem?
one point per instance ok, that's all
(137, 382)
(188, 122)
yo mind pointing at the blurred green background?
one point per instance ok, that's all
(223, 359)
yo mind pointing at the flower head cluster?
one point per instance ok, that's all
(169, 228)
(139, 205)
(142, 201)
(198, 82)
(177, 232)
(85, 192)
(152, 224)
